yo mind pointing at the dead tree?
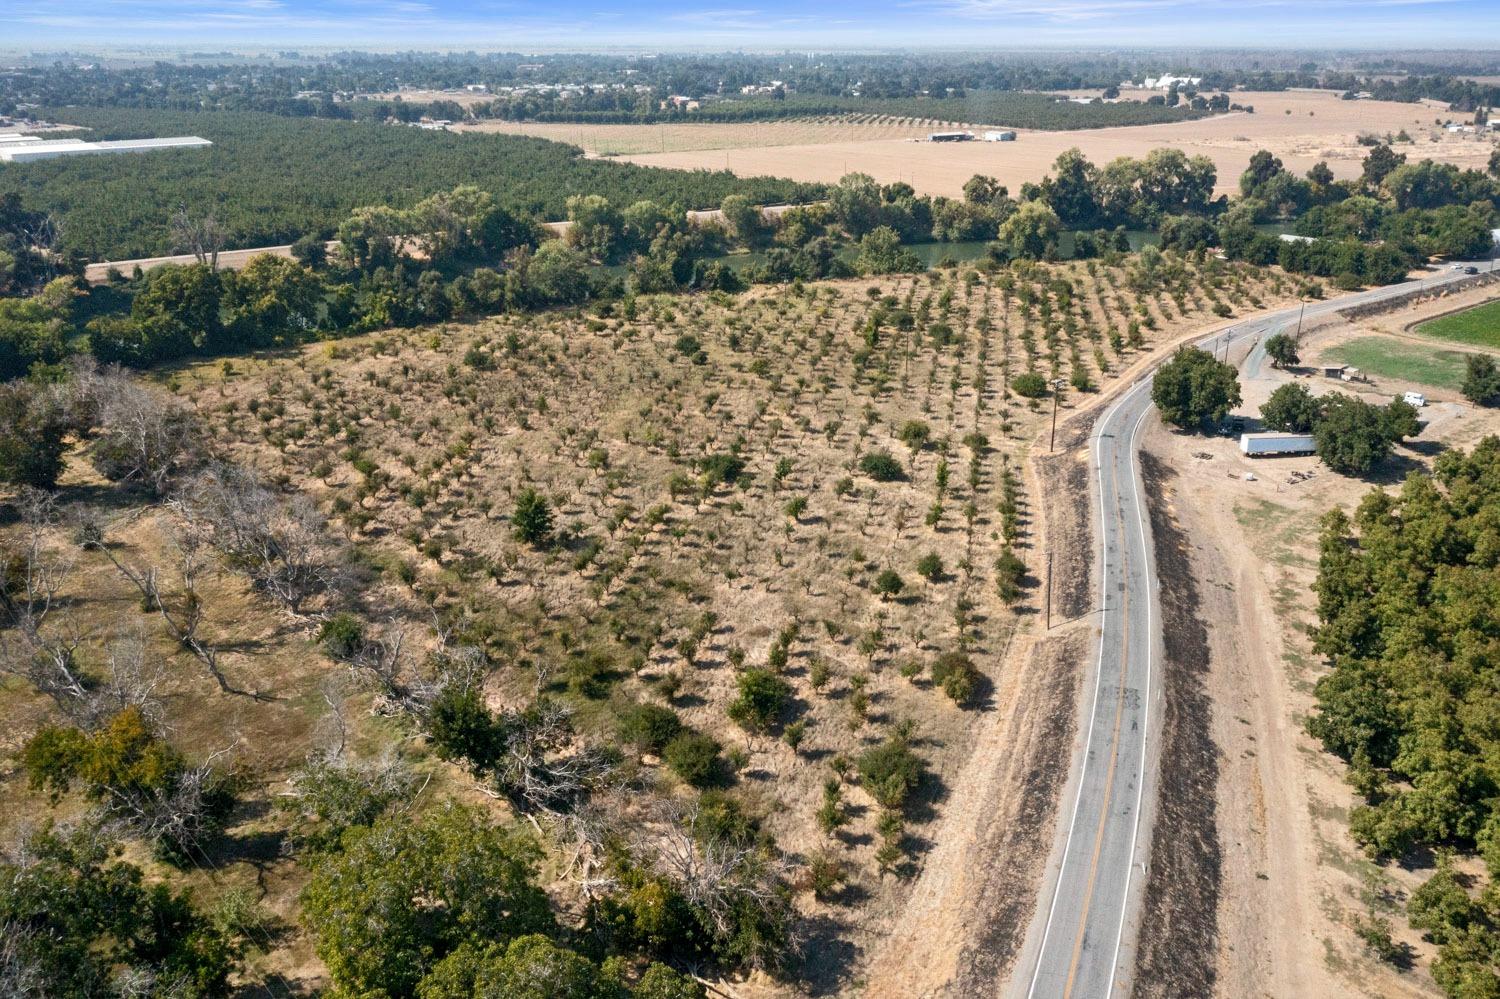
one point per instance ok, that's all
(141, 437)
(184, 615)
(202, 236)
(39, 644)
(279, 544)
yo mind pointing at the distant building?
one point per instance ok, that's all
(1291, 237)
(1168, 82)
(949, 136)
(1000, 135)
(25, 152)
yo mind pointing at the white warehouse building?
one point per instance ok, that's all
(26, 148)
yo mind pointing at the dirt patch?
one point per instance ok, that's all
(1019, 835)
(1179, 928)
(1065, 498)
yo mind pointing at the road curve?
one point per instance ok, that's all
(1082, 939)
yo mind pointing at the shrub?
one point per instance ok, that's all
(890, 772)
(882, 467)
(1029, 385)
(694, 757)
(889, 584)
(956, 674)
(649, 726)
(342, 636)
(32, 444)
(762, 696)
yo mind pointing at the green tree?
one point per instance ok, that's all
(1352, 436)
(856, 205)
(888, 584)
(1481, 384)
(1291, 408)
(742, 219)
(1193, 389)
(595, 226)
(532, 518)
(402, 895)
(1281, 348)
(137, 777)
(75, 920)
(180, 310)
(31, 329)
(1031, 231)
(881, 252)
(32, 435)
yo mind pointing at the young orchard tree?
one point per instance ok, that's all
(532, 518)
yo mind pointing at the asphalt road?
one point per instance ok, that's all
(1081, 942)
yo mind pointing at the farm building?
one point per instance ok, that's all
(1000, 135)
(949, 136)
(25, 152)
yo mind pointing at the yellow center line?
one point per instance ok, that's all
(1114, 755)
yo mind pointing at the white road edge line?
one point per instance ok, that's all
(1098, 680)
(1140, 787)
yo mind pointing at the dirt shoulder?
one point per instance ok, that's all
(1179, 926)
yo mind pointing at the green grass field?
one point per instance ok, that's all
(1479, 325)
(1386, 358)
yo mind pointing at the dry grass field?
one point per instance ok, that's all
(631, 140)
(1300, 127)
(665, 585)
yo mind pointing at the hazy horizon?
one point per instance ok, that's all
(583, 25)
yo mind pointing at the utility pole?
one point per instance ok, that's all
(1049, 591)
(1052, 444)
(1300, 313)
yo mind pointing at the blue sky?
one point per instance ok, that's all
(580, 24)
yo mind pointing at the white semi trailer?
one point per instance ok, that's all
(1266, 444)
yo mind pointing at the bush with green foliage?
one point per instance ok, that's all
(648, 727)
(762, 697)
(33, 441)
(1029, 385)
(1481, 384)
(956, 673)
(136, 777)
(890, 772)
(882, 467)
(694, 757)
(888, 583)
(76, 920)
